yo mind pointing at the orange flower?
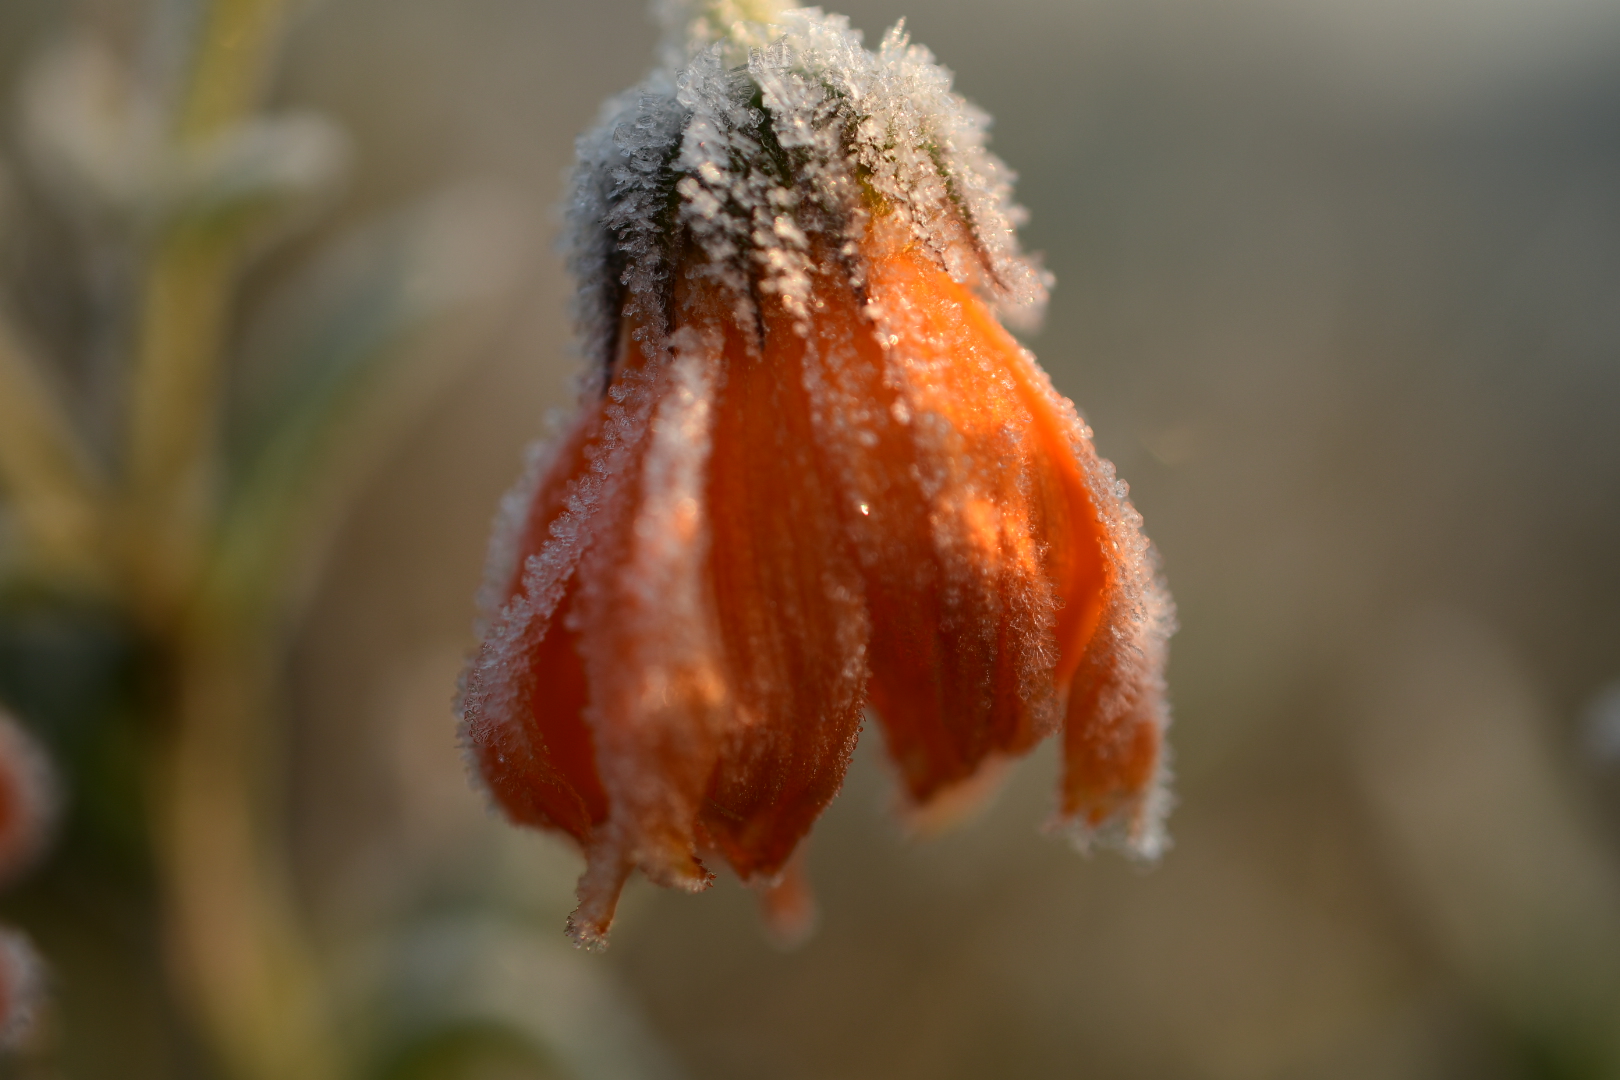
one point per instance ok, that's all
(817, 477)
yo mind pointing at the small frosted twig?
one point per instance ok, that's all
(44, 466)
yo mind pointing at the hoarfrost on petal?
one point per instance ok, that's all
(657, 694)
(811, 136)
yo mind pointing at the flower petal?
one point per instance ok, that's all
(658, 702)
(525, 693)
(790, 606)
(788, 906)
(1116, 642)
(971, 521)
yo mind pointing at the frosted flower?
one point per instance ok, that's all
(27, 799)
(22, 988)
(812, 475)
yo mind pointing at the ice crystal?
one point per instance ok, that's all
(809, 137)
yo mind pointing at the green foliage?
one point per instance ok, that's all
(470, 1051)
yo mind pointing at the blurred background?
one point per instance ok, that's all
(1338, 287)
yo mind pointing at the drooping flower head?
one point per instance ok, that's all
(811, 476)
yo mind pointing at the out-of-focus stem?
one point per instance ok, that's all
(238, 942)
(189, 285)
(173, 412)
(241, 949)
(233, 60)
(46, 469)
(188, 291)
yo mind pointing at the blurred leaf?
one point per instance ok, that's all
(472, 1051)
(65, 662)
(100, 140)
(479, 973)
(342, 363)
(259, 177)
(92, 135)
(45, 468)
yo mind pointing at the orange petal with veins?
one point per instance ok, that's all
(973, 525)
(1029, 533)
(789, 602)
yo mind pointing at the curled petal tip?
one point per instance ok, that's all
(958, 803)
(1136, 829)
(606, 871)
(586, 932)
(788, 906)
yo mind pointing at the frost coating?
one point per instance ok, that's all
(1121, 681)
(812, 136)
(657, 694)
(621, 188)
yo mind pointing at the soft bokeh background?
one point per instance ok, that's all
(1339, 290)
